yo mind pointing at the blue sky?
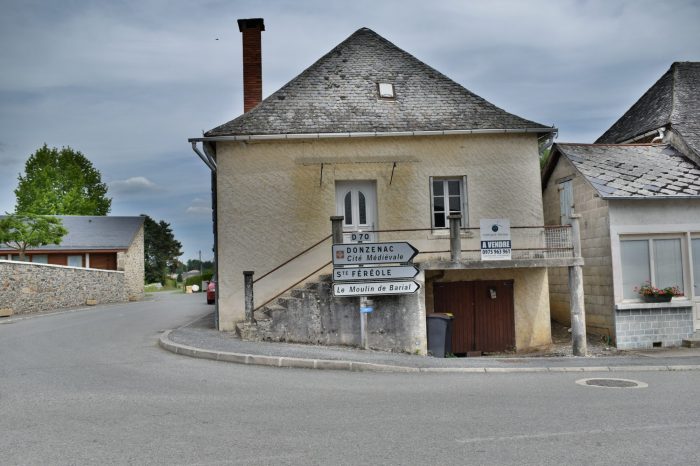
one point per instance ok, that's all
(126, 82)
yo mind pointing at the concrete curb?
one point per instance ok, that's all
(356, 366)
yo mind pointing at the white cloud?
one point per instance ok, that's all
(199, 206)
(133, 186)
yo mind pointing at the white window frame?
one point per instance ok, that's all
(462, 197)
(685, 261)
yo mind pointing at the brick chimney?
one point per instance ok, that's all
(252, 61)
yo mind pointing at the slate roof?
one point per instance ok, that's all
(633, 170)
(95, 233)
(338, 94)
(673, 100)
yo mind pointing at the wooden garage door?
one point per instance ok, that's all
(484, 314)
(103, 261)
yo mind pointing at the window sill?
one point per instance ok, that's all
(642, 305)
(444, 233)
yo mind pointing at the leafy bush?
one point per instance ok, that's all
(198, 279)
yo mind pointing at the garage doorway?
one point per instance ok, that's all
(484, 317)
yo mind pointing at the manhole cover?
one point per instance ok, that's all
(612, 383)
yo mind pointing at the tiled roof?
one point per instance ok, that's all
(634, 170)
(95, 233)
(673, 100)
(338, 94)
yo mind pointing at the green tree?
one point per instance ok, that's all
(161, 250)
(21, 231)
(61, 182)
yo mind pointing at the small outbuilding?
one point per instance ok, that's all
(638, 193)
(95, 242)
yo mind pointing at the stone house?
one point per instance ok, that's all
(95, 242)
(638, 192)
(373, 135)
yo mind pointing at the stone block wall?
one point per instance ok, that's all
(131, 263)
(28, 287)
(595, 249)
(641, 328)
(313, 315)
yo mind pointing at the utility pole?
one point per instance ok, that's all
(201, 271)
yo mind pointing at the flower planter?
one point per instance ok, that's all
(657, 299)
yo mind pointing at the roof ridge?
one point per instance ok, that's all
(337, 94)
(674, 67)
(612, 144)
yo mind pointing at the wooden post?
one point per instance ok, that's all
(455, 237)
(337, 228)
(576, 301)
(248, 287)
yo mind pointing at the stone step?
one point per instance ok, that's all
(693, 341)
(284, 301)
(313, 286)
(271, 309)
(261, 314)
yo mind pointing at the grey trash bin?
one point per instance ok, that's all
(440, 334)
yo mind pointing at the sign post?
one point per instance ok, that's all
(358, 270)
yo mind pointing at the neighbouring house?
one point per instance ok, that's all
(638, 193)
(95, 242)
(373, 135)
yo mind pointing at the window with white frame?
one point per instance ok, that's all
(695, 245)
(655, 260)
(447, 197)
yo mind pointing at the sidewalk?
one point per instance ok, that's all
(198, 339)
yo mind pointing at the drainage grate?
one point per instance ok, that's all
(612, 383)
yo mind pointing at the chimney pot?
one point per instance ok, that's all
(251, 29)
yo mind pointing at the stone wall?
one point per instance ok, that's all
(313, 315)
(131, 263)
(27, 287)
(653, 323)
(595, 249)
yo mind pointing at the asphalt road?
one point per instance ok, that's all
(92, 387)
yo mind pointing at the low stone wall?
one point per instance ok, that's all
(27, 287)
(313, 315)
(648, 324)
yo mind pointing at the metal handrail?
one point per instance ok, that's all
(283, 292)
(400, 230)
(290, 260)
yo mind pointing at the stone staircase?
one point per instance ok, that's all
(693, 341)
(310, 314)
(301, 315)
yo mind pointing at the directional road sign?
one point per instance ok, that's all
(386, 272)
(372, 253)
(375, 288)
